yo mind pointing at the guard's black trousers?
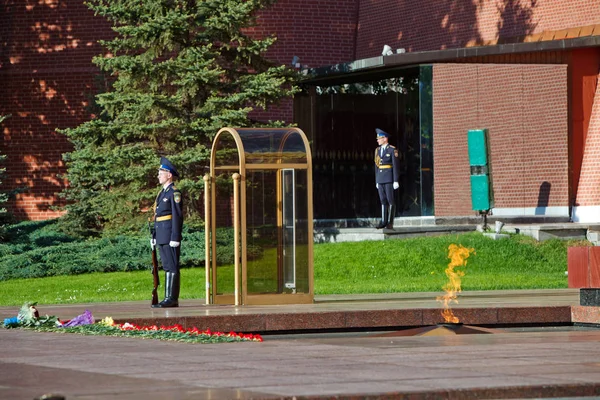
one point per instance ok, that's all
(169, 256)
(386, 193)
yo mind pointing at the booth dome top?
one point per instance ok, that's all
(260, 146)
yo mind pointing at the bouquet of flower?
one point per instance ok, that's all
(28, 317)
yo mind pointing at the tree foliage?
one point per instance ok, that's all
(179, 70)
(3, 193)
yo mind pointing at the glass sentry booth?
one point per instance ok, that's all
(259, 217)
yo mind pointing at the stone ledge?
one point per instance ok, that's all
(589, 297)
(361, 319)
(585, 314)
(332, 235)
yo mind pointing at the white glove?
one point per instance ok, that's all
(396, 186)
(152, 243)
(173, 243)
(377, 186)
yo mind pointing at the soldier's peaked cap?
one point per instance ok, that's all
(167, 165)
(381, 133)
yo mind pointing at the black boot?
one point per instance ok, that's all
(384, 217)
(392, 214)
(167, 284)
(175, 289)
(171, 291)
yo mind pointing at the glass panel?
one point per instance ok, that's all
(409, 194)
(344, 118)
(276, 218)
(301, 230)
(426, 112)
(289, 230)
(277, 231)
(272, 146)
(226, 153)
(224, 232)
(262, 235)
(343, 149)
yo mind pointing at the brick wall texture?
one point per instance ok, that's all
(588, 193)
(445, 24)
(46, 74)
(46, 78)
(524, 107)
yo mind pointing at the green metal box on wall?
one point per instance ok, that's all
(481, 188)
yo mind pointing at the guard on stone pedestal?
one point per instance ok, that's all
(166, 235)
(386, 178)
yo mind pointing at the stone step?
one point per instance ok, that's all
(332, 235)
(594, 237)
(359, 230)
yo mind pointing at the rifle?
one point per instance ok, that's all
(154, 271)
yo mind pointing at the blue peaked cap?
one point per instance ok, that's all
(381, 133)
(168, 166)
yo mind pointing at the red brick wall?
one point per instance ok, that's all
(47, 46)
(318, 32)
(589, 183)
(46, 75)
(440, 24)
(584, 67)
(525, 109)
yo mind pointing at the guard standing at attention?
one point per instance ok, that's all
(386, 178)
(168, 222)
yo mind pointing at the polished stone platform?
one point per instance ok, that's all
(585, 315)
(589, 297)
(546, 362)
(340, 312)
(542, 362)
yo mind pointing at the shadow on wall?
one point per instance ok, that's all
(439, 24)
(543, 198)
(46, 71)
(516, 18)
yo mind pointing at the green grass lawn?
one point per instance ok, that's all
(96, 287)
(340, 268)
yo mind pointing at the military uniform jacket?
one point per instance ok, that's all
(168, 217)
(386, 165)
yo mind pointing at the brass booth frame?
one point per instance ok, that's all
(267, 149)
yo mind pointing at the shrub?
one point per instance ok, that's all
(38, 249)
(3, 195)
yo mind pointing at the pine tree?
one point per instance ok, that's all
(3, 194)
(179, 71)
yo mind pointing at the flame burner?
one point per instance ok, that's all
(450, 325)
(458, 255)
(441, 329)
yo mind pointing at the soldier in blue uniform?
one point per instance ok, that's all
(168, 221)
(386, 178)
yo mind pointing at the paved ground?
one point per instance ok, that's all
(513, 364)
